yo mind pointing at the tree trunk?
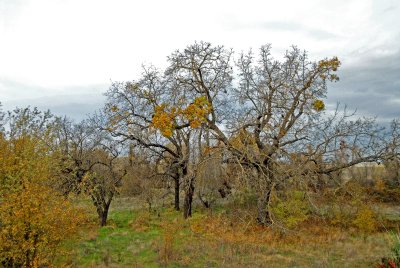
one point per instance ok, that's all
(177, 190)
(264, 215)
(187, 206)
(203, 201)
(102, 212)
(103, 218)
(267, 183)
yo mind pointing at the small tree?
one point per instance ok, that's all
(34, 221)
(91, 163)
(34, 217)
(104, 179)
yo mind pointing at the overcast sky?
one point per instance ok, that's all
(63, 54)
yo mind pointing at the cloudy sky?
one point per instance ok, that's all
(63, 54)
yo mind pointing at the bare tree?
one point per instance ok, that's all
(106, 176)
(272, 121)
(91, 163)
(144, 112)
(278, 106)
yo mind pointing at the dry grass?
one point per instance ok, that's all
(225, 237)
(215, 241)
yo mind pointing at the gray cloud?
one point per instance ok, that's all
(15, 90)
(389, 9)
(372, 87)
(77, 107)
(74, 102)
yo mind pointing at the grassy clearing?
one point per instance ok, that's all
(138, 238)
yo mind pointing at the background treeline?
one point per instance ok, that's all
(210, 130)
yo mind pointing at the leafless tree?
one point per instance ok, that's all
(130, 109)
(91, 163)
(279, 106)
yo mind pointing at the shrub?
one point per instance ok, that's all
(292, 209)
(365, 220)
(350, 206)
(34, 218)
(33, 222)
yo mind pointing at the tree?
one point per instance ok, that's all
(31, 211)
(392, 164)
(154, 113)
(91, 163)
(105, 177)
(272, 121)
(279, 109)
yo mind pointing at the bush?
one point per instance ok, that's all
(292, 209)
(33, 222)
(34, 218)
(365, 220)
(350, 206)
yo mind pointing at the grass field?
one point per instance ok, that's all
(135, 237)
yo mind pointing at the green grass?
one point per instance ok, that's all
(119, 244)
(138, 238)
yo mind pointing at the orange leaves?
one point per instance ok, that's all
(166, 119)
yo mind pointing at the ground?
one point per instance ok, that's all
(136, 237)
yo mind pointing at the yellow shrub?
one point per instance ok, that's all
(33, 222)
(34, 218)
(365, 220)
(292, 210)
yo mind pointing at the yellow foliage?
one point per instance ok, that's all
(327, 66)
(380, 185)
(23, 159)
(293, 210)
(197, 112)
(351, 207)
(165, 118)
(34, 219)
(114, 108)
(318, 105)
(365, 220)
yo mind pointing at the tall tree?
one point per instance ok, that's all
(154, 113)
(279, 109)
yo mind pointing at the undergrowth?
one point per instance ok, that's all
(225, 236)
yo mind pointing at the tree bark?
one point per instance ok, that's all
(102, 211)
(177, 190)
(187, 206)
(103, 218)
(264, 215)
(203, 201)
